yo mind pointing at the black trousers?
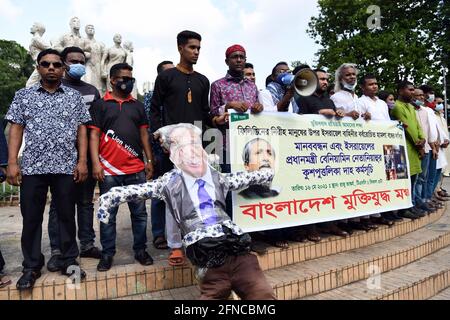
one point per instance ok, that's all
(33, 197)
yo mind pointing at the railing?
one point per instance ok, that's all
(9, 194)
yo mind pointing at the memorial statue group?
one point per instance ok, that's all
(99, 61)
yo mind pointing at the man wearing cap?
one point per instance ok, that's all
(234, 91)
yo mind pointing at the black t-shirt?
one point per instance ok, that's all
(171, 91)
(314, 103)
(120, 143)
(88, 91)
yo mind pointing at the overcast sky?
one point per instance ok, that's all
(270, 30)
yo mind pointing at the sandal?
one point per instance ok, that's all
(4, 281)
(283, 244)
(176, 258)
(160, 243)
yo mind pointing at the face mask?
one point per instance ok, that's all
(391, 105)
(76, 71)
(418, 103)
(125, 86)
(350, 87)
(439, 107)
(431, 98)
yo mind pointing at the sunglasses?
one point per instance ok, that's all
(46, 64)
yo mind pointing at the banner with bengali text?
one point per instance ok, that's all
(325, 169)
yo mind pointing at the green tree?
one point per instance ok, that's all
(16, 65)
(409, 44)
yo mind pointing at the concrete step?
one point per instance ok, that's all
(320, 275)
(443, 295)
(419, 280)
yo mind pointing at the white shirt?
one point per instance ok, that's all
(442, 160)
(346, 100)
(377, 108)
(428, 123)
(265, 98)
(192, 186)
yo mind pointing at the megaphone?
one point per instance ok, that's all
(305, 82)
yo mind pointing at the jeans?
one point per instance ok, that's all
(421, 182)
(413, 182)
(158, 207)
(432, 172)
(85, 218)
(138, 215)
(33, 197)
(437, 178)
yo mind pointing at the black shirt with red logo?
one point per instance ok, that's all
(119, 123)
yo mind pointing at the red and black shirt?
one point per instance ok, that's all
(119, 123)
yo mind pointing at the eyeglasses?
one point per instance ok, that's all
(46, 64)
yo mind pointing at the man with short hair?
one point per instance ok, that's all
(161, 166)
(53, 117)
(415, 139)
(183, 95)
(428, 124)
(249, 72)
(75, 60)
(371, 107)
(119, 135)
(281, 95)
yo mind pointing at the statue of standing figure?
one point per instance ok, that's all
(36, 46)
(73, 38)
(128, 46)
(94, 62)
(114, 55)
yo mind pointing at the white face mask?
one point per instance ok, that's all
(431, 98)
(350, 87)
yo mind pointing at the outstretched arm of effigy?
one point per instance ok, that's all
(139, 192)
(240, 180)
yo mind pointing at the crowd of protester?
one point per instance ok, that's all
(76, 139)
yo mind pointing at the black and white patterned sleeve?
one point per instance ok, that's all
(118, 195)
(240, 180)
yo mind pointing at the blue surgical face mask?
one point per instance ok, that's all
(391, 105)
(439, 107)
(431, 98)
(419, 103)
(76, 71)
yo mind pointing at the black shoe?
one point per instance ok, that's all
(73, 271)
(105, 263)
(54, 264)
(369, 224)
(418, 212)
(259, 247)
(27, 280)
(93, 253)
(345, 227)
(359, 226)
(144, 258)
(384, 221)
(408, 214)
